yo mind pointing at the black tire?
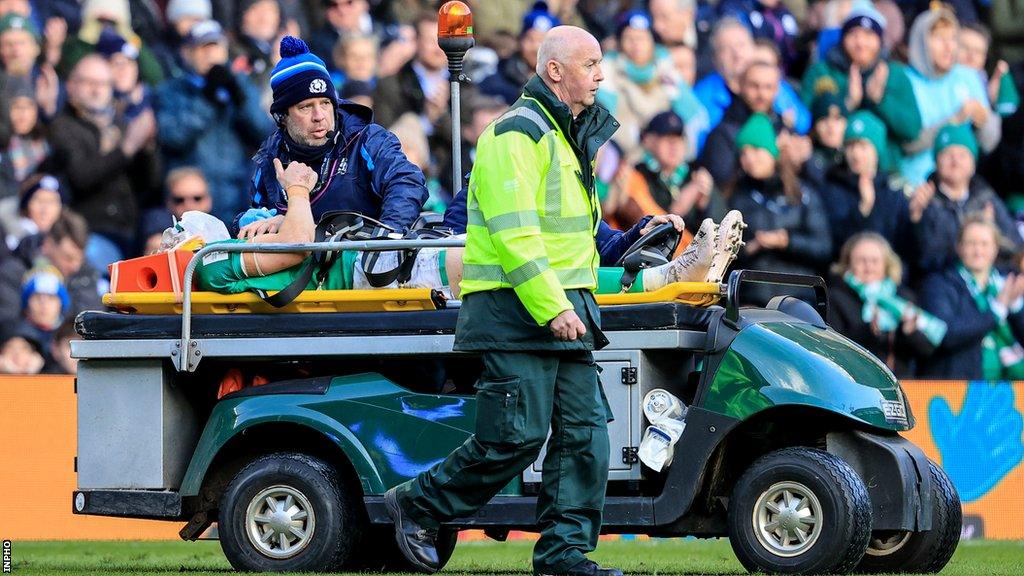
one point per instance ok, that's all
(924, 552)
(331, 524)
(821, 486)
(378, 551)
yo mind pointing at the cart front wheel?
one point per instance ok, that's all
(799, 510)
(287, 512)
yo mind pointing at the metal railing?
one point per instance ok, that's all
(189, 351)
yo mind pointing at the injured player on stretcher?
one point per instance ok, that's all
(705, 259)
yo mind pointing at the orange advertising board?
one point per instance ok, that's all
(973, 429)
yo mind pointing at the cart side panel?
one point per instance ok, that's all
(136, 429)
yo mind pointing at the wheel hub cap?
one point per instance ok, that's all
(887, 543)
(279, 522)
(787, 519)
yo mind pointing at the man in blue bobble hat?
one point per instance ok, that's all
(359, 164)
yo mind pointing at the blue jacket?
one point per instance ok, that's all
(368, 173)
(958, 357)
(611, 243)
(716, 97)
(194, 132)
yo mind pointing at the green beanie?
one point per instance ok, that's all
(759, 133)
(956, 135)
(864, 125)
(825, 103)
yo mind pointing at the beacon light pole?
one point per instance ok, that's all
(455, 37)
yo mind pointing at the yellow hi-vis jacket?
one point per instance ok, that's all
(531, 220)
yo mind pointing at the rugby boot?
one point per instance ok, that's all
(415, 542)
(728, 242)
(690, 266)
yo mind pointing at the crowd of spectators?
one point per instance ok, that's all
(877, 143)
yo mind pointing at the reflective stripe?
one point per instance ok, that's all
(526, 218)
(528, 114)
(553, 180)
(576, 276)
(526, 272)
(483, 273)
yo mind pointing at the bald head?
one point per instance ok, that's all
(561, 43)
(569, 62)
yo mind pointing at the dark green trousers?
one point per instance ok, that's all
(519, 396)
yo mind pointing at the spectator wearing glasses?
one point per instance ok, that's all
(187, 190)
(109, 163)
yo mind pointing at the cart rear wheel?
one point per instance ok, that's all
(799, 510)
(920, 552)
(287, 512)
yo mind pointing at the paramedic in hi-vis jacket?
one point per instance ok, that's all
(529, 274)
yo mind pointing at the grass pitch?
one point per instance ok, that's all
(656, 557)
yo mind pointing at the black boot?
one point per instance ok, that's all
(415, 541)
(585, 568)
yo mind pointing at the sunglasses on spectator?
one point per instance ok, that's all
(179, 200)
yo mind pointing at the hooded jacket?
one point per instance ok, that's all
(366, 172)
(939, 98)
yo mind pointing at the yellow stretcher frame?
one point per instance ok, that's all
(385, 300)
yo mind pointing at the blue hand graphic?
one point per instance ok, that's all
(253, 214)
(981, 444)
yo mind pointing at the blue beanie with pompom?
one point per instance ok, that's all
(299, 75)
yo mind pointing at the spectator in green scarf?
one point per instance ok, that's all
(983, 308)
(869, 305)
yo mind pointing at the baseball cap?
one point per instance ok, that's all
(666, 123)
(206, 32)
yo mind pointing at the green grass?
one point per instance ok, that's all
(980, 558)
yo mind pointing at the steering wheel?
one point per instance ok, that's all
(652, 249)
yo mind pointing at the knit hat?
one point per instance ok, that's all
(45, 280)
(539, 18)
(638, 19)
(112, 43)
(825, 103)
(178, 9)
(864, 15)
(864, 125)
(759, 133)
(956, 135)
(34, 184)
(298, 76)
(13, 21)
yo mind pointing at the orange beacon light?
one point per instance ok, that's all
(454, 19)
(455, 33)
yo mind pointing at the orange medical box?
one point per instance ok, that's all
(162, 272)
